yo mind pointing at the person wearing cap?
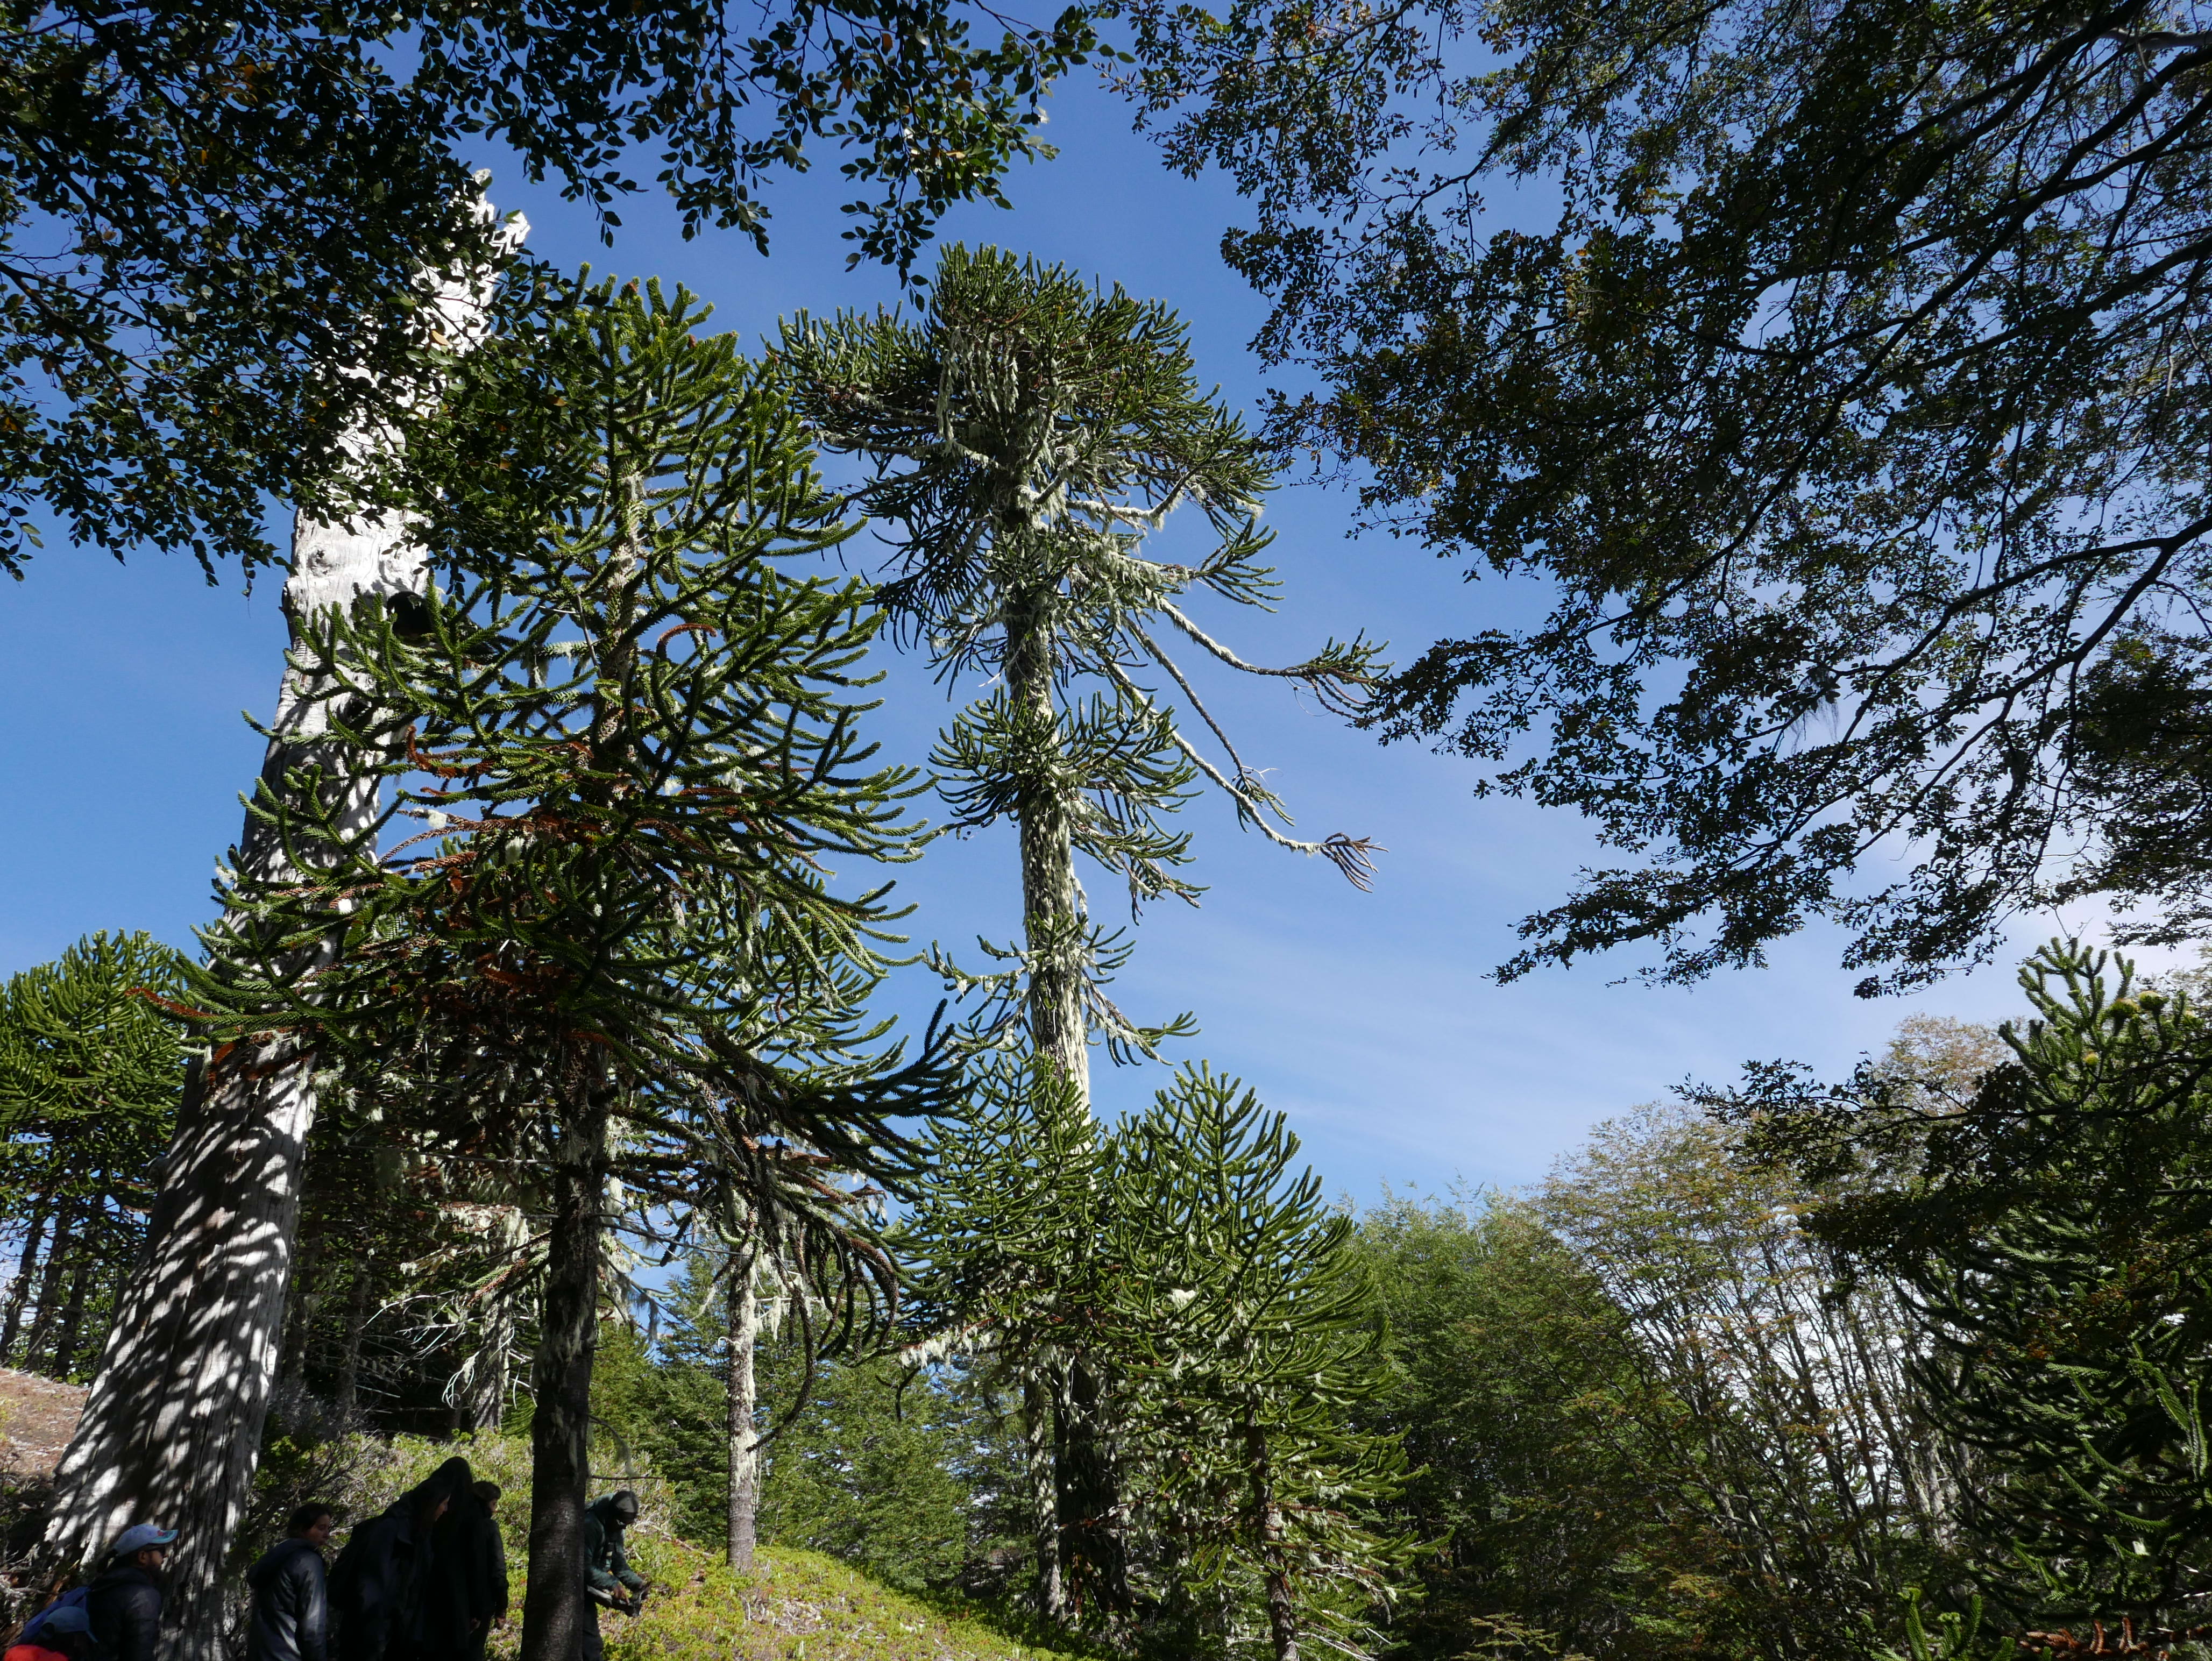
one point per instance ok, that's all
(125, 1603)
(59, 1635)
(378, 1587)
(290, 1616)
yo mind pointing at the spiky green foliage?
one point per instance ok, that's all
(625, 731)
(91, 1068)
(1195, 1331)
(619, 747)
(1249, 1345)
(1029, 433)
(2050, 1231)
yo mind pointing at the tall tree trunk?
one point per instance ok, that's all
(556, 1606)
(72, 1321)
(19, 1290)
(1090, 1494)
(743, 1332)
(172, 1424)
(1056, 927)
(361, 1304)
(1037, 1425)
(171, 1428)
(1268, 1524)
(49, 1306)
(301, 1298)
(486, 1402)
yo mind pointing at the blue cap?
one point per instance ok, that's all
(68, 1618)
(140, 1536)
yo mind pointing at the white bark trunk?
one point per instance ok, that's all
(743, 1336)
(171, 1428)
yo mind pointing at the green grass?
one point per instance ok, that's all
(800, 1606)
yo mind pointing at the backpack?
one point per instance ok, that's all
(72, 1599)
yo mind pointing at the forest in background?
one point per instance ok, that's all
(1706, 1391)
(1838, 424)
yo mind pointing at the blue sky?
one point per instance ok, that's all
(1366, 1017)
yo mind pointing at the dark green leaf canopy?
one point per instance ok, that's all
(214, 219)
(1834, 377)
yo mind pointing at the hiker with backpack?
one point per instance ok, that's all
(64, 1633)
(123, 1603)
(468, 1578)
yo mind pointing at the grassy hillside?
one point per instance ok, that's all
(801, 1607)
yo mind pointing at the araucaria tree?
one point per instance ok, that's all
(1028, 433)
(619, 731)
(172, 1425)
(1219, 1314)
(91, 1068)
(2048, 1232)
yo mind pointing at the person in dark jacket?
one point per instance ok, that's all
(377, 1588)
(608, 1577)
(290, 1616)
(468, 1576)
(606, 1563)
(124, 1606)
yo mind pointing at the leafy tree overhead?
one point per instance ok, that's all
(214, 219)
(1847, 405)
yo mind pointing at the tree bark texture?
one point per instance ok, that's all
(744, 1324)
(65, 1340)
(361, 1304)
(1090, 1495)
(557, 1606)
(485, 1405)
(50, 1288)
(172, 1424)
(1055, 924)
(1037, 1423)
(1267, 1521)
(171, 1427)
(302, 1297)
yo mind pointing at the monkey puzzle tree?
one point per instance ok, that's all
(2050, 1233)
(90, 1071)
(1250, 1346)
(172, 1425)
(1011, 1261)
(623, 731)
(1212, 1495)
(1028, 434)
